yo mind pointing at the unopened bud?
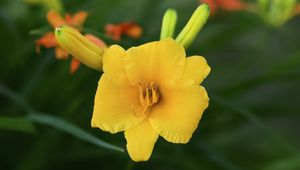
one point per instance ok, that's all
(80, 47)
(194, 25)
(168, 24)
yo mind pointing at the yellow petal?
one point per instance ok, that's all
(113, 60)
(140, 141)
(196, 69)
(177, 115)
(156, 61)
(117, 105)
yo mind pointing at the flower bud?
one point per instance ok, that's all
(276, 12)
(168, 24)
(80, 47)
(194, 25)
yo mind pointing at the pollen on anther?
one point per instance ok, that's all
(149, 94)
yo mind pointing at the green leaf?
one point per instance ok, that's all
(284, 164)
(71, 129)
(40, 31)
(17, 124)
(56, 122)
(14, 98)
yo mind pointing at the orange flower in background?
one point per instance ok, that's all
(298, 9)
(75, 21)
(226, 5)
(131, 29)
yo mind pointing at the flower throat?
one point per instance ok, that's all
(149, 94)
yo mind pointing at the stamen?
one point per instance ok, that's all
(149, 94)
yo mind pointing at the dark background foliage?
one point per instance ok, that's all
(252, 121)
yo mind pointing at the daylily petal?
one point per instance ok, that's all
(179, 111)
(131, 29)
(196, 69)
(96, 40)
(74, 65)
(140, 141)
(156, 61)
(113, 31)
(61, 53)
(297, 9)
(232, 5)
(79, 18)
(227, 5)
(47, 41)
(55, 19)
(113, 60)
(117, 104)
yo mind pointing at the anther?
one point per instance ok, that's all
(149, 94)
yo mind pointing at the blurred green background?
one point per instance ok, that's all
(252, 121)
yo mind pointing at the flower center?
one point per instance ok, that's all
(149, 94)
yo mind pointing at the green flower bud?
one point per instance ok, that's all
(276, 12)
(194, 25)
(168, 24)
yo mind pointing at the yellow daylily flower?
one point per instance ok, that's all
(149, 91)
